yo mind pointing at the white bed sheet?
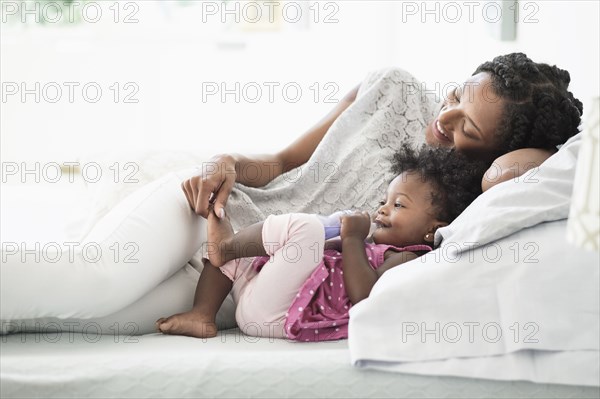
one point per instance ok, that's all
(230, 365)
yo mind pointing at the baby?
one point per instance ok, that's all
(289, 282)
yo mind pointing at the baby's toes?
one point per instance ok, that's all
(165, 324)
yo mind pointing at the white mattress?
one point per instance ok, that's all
(230, 365)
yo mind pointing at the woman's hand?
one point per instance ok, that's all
(355, 225)
(212, 186)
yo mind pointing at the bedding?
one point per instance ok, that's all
(228, 366)
(75, 364)
(540, 195)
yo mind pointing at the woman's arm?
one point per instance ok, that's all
(222, 171)
(294, 155)
(299, 152)
(512, 165)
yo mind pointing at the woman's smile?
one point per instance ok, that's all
(442, 135)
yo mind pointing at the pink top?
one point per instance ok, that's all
(320, 310)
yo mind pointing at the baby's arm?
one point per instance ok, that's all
(359, 276)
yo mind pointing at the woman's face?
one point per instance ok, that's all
(468, 119)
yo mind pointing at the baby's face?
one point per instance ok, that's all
(405, 215)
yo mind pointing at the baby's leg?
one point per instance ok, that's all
(295, 244)
(223, 245)
(212, 289)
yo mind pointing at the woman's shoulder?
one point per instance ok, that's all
(391, 75)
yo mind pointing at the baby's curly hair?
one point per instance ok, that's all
(456, 180)
(540, 112)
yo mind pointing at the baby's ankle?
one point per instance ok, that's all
(202, 313)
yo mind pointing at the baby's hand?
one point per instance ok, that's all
(356, 225)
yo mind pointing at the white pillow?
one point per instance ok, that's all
(530, 291)
(539, 195)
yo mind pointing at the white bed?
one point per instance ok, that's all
(231, 365)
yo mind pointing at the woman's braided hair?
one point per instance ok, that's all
(540, 112)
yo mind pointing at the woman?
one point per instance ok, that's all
(508, 104)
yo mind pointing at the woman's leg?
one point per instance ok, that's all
(140, 243)
(295, 244)
(172, 296)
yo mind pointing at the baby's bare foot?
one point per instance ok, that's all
(192, 324)
(219, 233)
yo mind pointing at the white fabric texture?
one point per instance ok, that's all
(229, 366)
(137, 168)
(176, 294)
(584, 216)
(74, 287)
(349, 169)
(442, 313)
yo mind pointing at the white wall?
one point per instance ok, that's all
(559, 32)
(169, 56)
(170, 53)
(568, 35)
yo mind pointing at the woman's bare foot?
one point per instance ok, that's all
(219, 233)
(192, 324)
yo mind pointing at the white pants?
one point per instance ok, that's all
(134, 267)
